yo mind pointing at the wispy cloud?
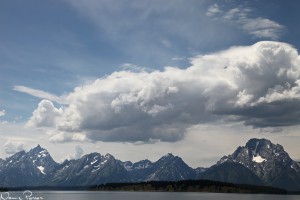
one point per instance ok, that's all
(179, 58)
(40, 94)
(147, 31)
(244, 18)
(166, 43)
(263, 28)
(213, 10)
(134, 68)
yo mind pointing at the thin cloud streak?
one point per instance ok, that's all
(40, 94)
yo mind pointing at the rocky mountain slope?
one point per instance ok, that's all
(268, 161)
(27, 169)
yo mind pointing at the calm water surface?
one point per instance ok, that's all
(83, 195)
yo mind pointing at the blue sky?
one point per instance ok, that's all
(63, 56)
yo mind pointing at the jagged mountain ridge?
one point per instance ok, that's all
(268, 161)
(89, 170)
(37, 167)
(27, 169)
(170, 168)
(259, 162)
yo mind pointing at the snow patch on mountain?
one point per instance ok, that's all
(258, 159)
(41, 168)
(42, 154)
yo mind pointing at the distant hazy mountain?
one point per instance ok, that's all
(259, 162)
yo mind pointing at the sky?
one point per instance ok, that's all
(139, 79)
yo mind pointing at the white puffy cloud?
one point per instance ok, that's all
(12, 147)
(45, 115)
(256, 84)
(2, 113)
(61, 137)
(77, 154)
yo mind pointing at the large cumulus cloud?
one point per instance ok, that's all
(256, 84)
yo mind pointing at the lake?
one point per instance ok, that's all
(84, 195)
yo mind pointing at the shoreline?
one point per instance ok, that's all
(166, 186)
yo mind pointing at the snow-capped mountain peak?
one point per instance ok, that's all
(38, 152)
(263, 158)
(42, 160)
(168, 155)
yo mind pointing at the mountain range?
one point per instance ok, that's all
(259, 162)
